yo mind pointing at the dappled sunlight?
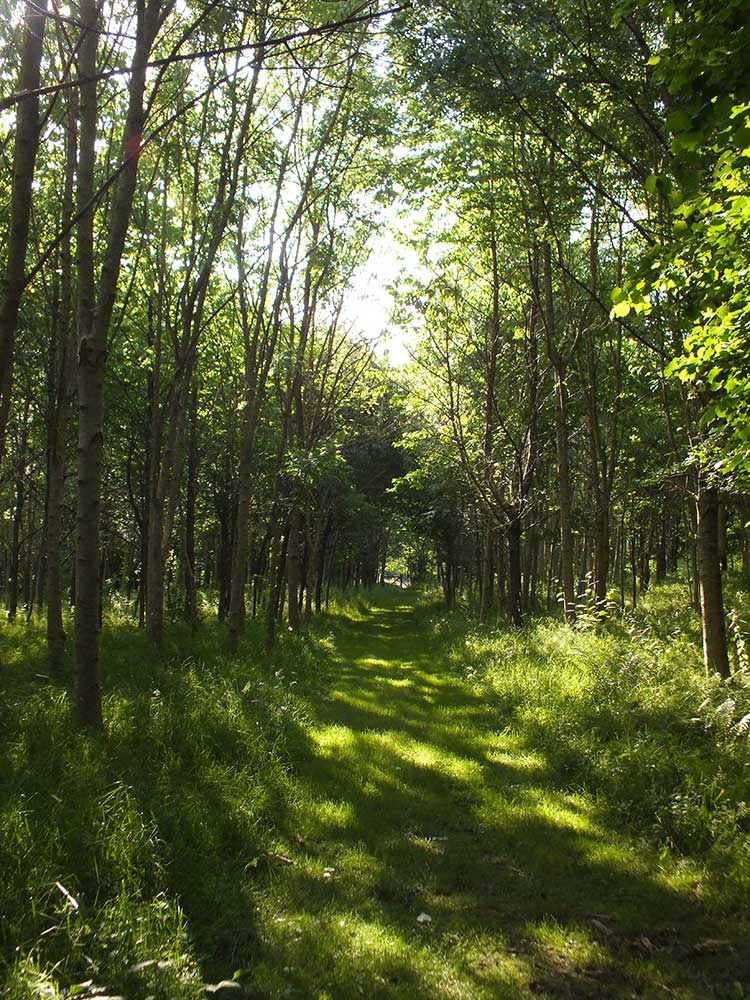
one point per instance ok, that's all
(333, 738)
(424, 800)
(416, 835)
(426, 755)
(530, 762)
(330, 814)
(560, 810)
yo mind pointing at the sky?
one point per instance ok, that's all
(369, 304)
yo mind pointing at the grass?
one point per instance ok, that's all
(397, 804)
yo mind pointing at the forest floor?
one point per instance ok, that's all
(397, 804)
(433, 852)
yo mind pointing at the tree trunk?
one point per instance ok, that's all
(744, 539)
(715, 654)
(93, 332)
(722, 533)
(162, 511)
(63, 373)
(24, 162)
(224, 560)
(601, 551)
(314, 541)
(661, 545)
(561, 438)
(320, 572)
(90, 376)
(275, 563)
(20, 499)
(515, 612)
(241, 540)
(294, 568)
(191, 583)
(485, 587)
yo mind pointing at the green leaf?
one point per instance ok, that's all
(620, 310)
(678, 121)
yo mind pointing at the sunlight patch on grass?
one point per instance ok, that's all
(330, 813)
(373, 661)
(683, 875)
(429, 756)
(565, 811)
(357, 866)
(531, 763)
(333, 739)
(27, 980)
(565, 945)
(552, 809)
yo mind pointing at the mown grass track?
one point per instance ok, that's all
(417, 799)
(394, 804)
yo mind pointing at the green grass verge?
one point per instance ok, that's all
(144, 844)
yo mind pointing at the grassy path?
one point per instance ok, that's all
(415, 800)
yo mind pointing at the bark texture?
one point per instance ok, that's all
(715, 654)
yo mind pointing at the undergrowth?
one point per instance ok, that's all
(623, 710)
(131, 858)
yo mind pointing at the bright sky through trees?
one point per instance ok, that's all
(369, 303)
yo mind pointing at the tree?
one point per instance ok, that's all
(24, 160)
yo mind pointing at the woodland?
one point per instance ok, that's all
(338, 661)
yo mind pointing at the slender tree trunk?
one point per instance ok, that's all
(224, 559)
(24, 162)
(561, 437)
(744, 539)
(515, 612)
(61, 412)
(601, 550)
(241, 542)
(715, 654)
(485, 589)
(691, 554)
(151, 446)
(722, 533)
(320, 573)
(162, 512)
(191, 583)
(157, 561)
(645, 538)
(275, 564)
(92, 336)
(18, 508)
(294, 568)
(315, 537)
(28, 569)
(661, 544)
(90, 375)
